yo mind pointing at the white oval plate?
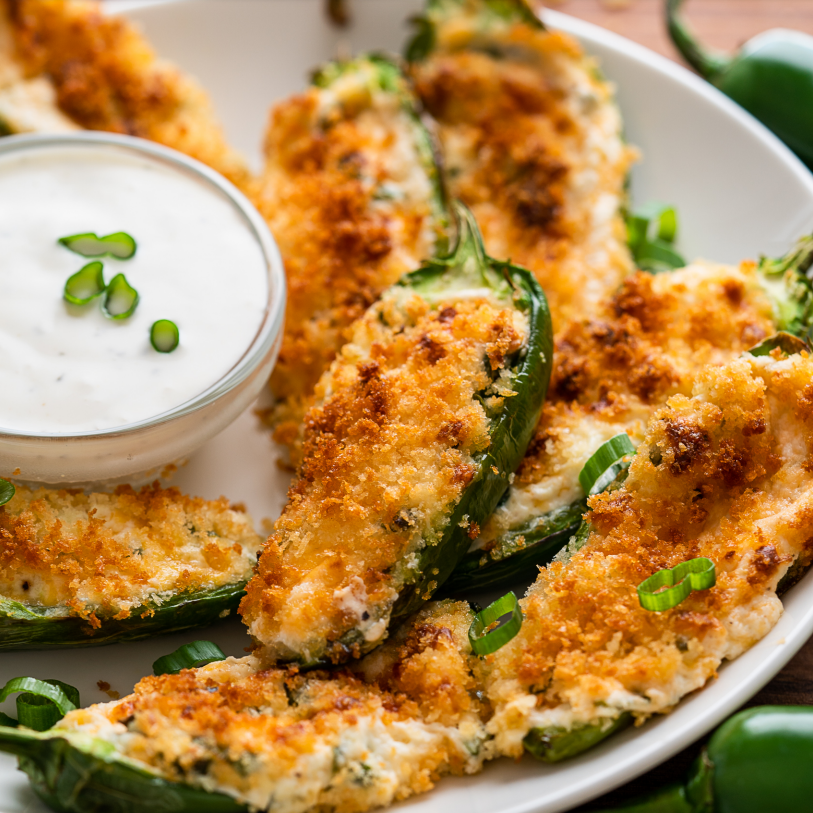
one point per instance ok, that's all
(739, 193)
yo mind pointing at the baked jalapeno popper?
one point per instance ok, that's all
(238, 736)
(532, 144)
(66, 65)
(415, 431)
(352, 193)
(644, 344)
(679, 569)
(84, 569)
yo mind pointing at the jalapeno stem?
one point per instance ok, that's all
(709, 64)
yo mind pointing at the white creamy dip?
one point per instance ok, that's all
(66, 369)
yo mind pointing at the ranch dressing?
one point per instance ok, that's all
(66, 369)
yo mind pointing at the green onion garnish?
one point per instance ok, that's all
(667, 588)
(651, 231)
(7, 491)
(86, 284)
(164, 336)
(88, 244)
(786, 342)
(491, 641)
(120, 299)
(606, 463)
(43, 702)
(189, 656)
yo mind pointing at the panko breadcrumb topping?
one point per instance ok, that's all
(350, 195)
(388, 449)
(644, 343)
(100, 556)
(65, 64)
(277, 739)
(532, 144)
(725, 475)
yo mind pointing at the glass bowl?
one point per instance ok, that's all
(138, 452)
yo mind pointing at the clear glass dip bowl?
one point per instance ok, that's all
(138, 452)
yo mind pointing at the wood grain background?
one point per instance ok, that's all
(723, 24)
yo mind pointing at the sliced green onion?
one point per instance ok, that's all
(86, 284)
(7, 721)
(667, 588)
(119, 245)
(651, 230)
(164, 336)
(189, 656)
(656, 256)
(7, 491)
(484, 643)
(786, 342)
(606, 463)
(42, 702)
(121, 298)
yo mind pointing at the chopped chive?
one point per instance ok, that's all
(484, 643)
(164, 336)
(119, 245)
(786, 342)
(667, 588)
(606, 463)
(42, 702)
(86, 284)
(651, 230)
(7, 491)
(120, 298)
(189, 656)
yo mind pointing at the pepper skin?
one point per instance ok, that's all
(771, 76)
(757, 761)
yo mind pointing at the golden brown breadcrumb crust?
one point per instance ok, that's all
(341, 244)
(106, 77)
(319, 740)
(532, 145)
(652, 337)
(102, 555)
(723, 475)
(645, 342)
(387, 453)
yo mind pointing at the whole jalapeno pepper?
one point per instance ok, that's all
(757, 761)
(771, 76)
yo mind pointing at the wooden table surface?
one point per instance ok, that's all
(724, 24)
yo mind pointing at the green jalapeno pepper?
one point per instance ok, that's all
(77, 773)
(757, 761)
(771, 76)
(28, 626)
(517, 553)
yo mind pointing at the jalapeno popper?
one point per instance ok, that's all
(235, 735)
(79, 570)
(414, 433)
(66, 65)
(531, 139)
(723, 475)
(646, 343)
(353, 196)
